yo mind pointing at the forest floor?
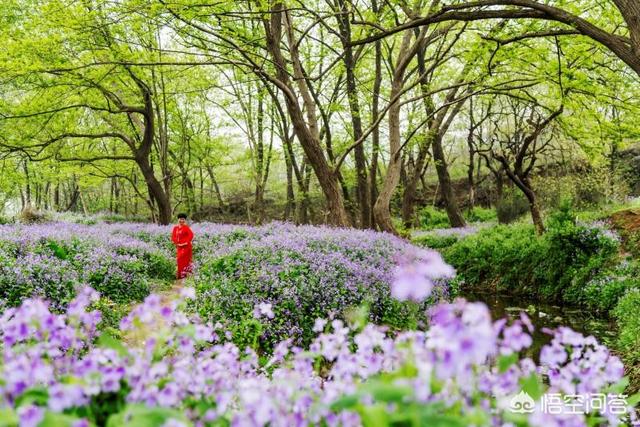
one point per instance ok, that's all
(627, 223)
(627, 220)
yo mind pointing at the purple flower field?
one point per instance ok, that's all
(462, 371)
(279, 326)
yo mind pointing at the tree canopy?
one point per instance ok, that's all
(329, 111)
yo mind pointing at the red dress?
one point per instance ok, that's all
(182, 234)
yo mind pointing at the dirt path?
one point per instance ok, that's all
(137, 337)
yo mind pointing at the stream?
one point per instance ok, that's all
(545, 316)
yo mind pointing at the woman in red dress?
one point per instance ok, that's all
(182, 237)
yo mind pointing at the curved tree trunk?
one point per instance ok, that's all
(156, 191)
(446, 189)
(381, 209)
(307, 133)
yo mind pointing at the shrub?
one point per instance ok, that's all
(554, 266)
(435, 241)
(36, 274)
(588, 187)
(511, 206)
(159, 266)
(112, 314)
(575, 255)
(431, 217)
(480, 214)
(604, 291)
(628, 341)
(122, 278)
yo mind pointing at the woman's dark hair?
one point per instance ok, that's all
(182, 215)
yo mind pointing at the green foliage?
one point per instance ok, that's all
(552, 267)
(626, 313)
(20, 280)
(587, 189)
(158, 266)
(480, 214)
(58, 250)
(511, 206)
(431, 217)
(136, 415)
(603, 292)
(112, 313)
(388, 392)
(435, 242)
(628, 341)
(128, 283)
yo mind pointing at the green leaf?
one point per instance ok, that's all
(504, 362)
(634, 399)
(619, 387)
(389, 393)
(141, 416)
(107, 341)
(54, 419)
(8, 418)
(532, 386)
(36, 396)
(435, 415)
(374, 416)
(346, 402)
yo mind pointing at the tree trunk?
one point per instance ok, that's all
(56, 196)
(290, 206)
(362, 194)
(446, 189)
(142, 155)
(25, 168)
(216, 188)
(307, 133)
(470, 173)
(375, 135)
(410, 195)
(534, 207)
(303, 187)
(259, 162)
(156, 191)
(382, 208)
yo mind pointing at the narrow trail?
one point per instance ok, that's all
(137, 337)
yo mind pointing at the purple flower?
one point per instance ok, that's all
(414, 277)
(30, 415)
(319, 324)
(263, 310)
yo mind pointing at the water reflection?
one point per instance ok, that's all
(546, 316)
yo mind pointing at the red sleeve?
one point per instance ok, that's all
(174, 237)
(189, 235)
